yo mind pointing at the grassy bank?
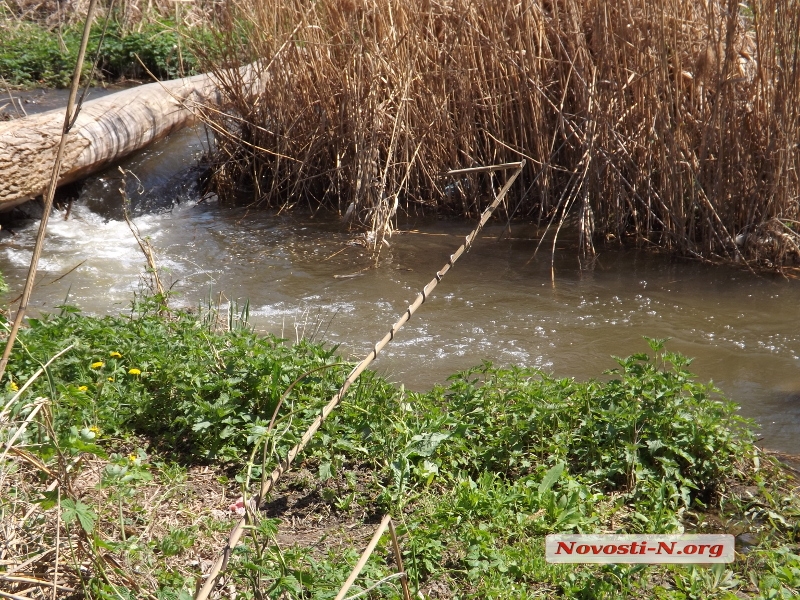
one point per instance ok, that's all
(130, 450)
(671, 124)
(39, 46)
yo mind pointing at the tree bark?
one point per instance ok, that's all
(106, 130)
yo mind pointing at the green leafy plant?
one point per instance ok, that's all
(476, 473)
(31, 54)
(75, 510)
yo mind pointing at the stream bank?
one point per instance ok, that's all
(307, 277)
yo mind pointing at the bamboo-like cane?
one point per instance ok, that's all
(385, 522)
(269, 482)
(364, 557)
(398, 558)
(51, 190)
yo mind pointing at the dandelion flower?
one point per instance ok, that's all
(134, 372)
(14, 387)
(98, 364)
(111, 379)
(83, 388)
(94, 429)
(115, 354)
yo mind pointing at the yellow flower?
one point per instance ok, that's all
(132, 457)
(134, 372)
(115, 355)
(14, 387)
(83, 388)
(94, 428)
(111, 379)
(98, 364)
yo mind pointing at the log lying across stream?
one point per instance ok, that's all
(106, 130)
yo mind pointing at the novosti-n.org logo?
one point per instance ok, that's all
(632, 548)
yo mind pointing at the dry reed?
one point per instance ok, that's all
(131, 15)
(672, 123)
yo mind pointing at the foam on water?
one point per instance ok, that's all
(111, 261)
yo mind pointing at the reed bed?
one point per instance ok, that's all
(673, 123)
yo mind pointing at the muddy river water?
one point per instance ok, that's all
(308, 277)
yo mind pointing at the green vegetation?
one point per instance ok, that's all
(34, 55)
(153, 423)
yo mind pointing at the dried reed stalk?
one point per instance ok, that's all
(386, 523)
(670, 123)
(69, 115)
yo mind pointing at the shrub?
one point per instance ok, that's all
(193, 391)
(33, 55)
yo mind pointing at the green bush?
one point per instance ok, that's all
(193, 391)
(159, 46)
(652, 423)
(29, 54)
(32, 55)
(651, 431)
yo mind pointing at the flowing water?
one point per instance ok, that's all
(307, 277)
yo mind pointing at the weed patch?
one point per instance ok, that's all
(151, 425)
(32, 55)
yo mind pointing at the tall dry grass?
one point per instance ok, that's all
(672, 123)
(131, 15)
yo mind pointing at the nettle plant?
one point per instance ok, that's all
(195, 392)
(649, 431)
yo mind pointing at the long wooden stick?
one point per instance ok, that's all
(386, 522)
(51, 190)
(398, 558)
(364, 558)
(269, 482)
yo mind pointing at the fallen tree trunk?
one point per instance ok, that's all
(106, 130)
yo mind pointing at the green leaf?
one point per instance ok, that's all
(88, 448)
(48, 500)
(347, 445)
(425, 445)
(325, 471)
(550, 478)
(75, 509)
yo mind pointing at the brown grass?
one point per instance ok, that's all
(672, 123)
(38, 549)
(130, 14)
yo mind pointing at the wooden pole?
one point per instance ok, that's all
(398, 558)
(364, 557)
